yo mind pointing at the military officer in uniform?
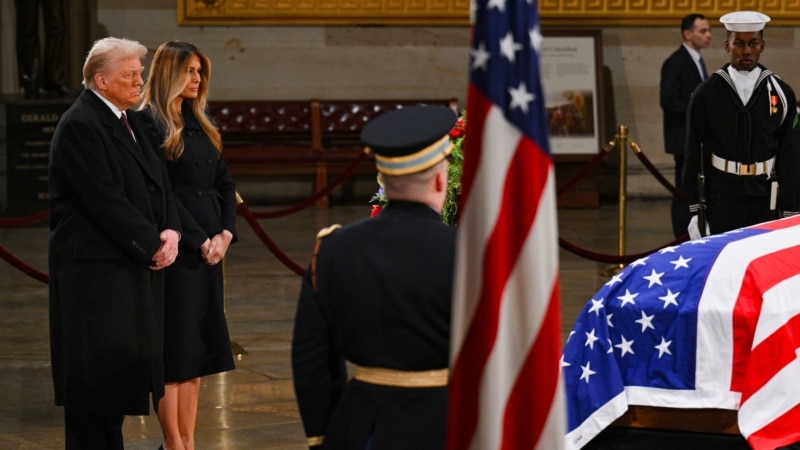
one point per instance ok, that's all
(378, 294)
(740, 138)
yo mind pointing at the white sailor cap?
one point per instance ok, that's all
(744, 21)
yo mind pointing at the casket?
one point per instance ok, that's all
(699, 339)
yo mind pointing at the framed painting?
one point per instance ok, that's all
(571, 71)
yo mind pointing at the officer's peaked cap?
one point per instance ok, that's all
(410, 139)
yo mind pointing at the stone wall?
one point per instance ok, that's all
(286, 62)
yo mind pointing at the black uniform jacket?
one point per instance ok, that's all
(384, 288)
(109, 201)
(720, 124)
(679, 78)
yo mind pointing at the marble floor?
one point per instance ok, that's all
(253, 407)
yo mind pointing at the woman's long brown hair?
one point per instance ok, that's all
(168, 77)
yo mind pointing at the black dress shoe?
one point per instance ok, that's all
(61, 91)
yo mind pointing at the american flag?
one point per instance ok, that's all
(505, 391)
(712, 323)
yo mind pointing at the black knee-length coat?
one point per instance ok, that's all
(110, 200)
(196, 339)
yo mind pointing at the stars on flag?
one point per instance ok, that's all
(646, 302)
(520, 97)
(597, 305)
(535, 35)
(503, 56)
(616, 278)
(646, 322)
(681, 262)
(500, 5)
(663, 347)
(480, 57)
(591, 338)
(628, 298)
(670, 299)
(509, 48)
(586, 372)
(625, 347)
(671, 341)
(654, 278)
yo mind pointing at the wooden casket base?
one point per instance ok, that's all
(697, 420)
(653, 428)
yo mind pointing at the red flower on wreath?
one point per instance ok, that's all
(458, 130)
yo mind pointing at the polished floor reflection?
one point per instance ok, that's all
(253, 406)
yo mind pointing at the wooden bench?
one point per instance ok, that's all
(318, 138)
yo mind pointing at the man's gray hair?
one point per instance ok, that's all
(105, 53)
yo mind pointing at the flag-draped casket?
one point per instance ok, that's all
(711, 323)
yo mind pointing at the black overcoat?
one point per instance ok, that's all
(196, 339)
(383, 300)
(109, 201)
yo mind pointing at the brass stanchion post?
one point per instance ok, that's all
(621, 140)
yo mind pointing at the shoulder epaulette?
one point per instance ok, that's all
(327, 231)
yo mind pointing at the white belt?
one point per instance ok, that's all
(741, 169)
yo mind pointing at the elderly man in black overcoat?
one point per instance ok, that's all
(114, 226)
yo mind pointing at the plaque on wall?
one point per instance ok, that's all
(28, 128)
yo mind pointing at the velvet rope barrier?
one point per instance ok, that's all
(313, 199)
(244, 211)
(652, 169)
(616, 259)
(613, 259)
(252, 218)
(587, 169)
(25, 220)
(22, 267)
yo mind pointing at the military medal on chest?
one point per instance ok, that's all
(773, 99)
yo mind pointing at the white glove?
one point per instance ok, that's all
(694, 229)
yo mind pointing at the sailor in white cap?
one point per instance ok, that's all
(740, 141)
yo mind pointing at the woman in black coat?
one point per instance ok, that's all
(196, 341)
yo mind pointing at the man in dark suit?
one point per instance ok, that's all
(680, 75)
(378, 294)
(113, 227)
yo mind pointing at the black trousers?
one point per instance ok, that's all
(32, 73)
(728, 212)
(680, 209)
(92, 431)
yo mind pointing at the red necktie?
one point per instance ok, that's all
(124, 120)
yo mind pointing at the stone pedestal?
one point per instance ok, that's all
(26, 129)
